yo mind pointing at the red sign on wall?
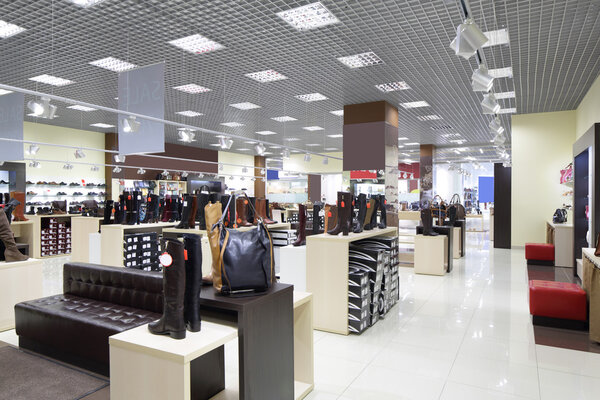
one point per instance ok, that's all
(363, 175)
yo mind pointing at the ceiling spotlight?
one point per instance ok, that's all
(469, 38)
(253, 179)
(481, 80)
(35, 164)
(244, 170)
(220, 167)
(307, 157)
(225, 143)
(374, 180)
(260, 149)
(141, 171)
(130, 125)
(79, 153)
(68, 166)
(119, 158)
(165, 173)
(496, 126)
(117, 169)
(507, 164)
(184, 174)
(33, 149)
(285, 153)
(95, 168)
(187, 135)
(264, 179)
(489, 104)
(325, 160)
(262, 171)
(42, 108)
(200, 175)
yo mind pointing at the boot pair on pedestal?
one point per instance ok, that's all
(182, 283)
(376, 203)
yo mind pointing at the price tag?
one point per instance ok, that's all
(185, 203)
(165, 259)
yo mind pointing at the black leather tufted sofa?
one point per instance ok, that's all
(98, 302)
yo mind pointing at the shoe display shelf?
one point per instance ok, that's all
(81, 228)
(23, 233)
(327, 272)
(52, 235)
(19, 281)
(112, 239)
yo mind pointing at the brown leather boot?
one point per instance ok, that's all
(369, 214)
(344, 221)
(11, 253)
(193, 212)
(19, 213)
(261, 210)
(241, 207)
(301, 230)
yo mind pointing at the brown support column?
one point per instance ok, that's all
(426, 172)
(314, 188)
(371, 143)
(110, 143)
(259, 186)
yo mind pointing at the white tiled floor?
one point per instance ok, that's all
(464, 336)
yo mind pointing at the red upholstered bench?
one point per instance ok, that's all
(558, 304)
(539, 254)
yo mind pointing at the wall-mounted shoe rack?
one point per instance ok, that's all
(328, 276)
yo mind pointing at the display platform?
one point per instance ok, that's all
(19, 281)
(561, 236)
(81, 228)
(431, 254)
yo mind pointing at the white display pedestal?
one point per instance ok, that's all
(431, 254)
(81, 228)
(561, 236)
(19, 281)
(292, 266)
(95, 246)
(456, 242)
(151, 367)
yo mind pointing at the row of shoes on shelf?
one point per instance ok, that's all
(72, 184)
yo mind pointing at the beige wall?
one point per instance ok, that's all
(541, 147)
(52, 171)
(588, 111)
(237, 182)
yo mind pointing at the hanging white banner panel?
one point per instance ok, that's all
(142, 91)
(11, 126)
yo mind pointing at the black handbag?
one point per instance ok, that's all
(560, 216)
(456, 211)
(246, 262)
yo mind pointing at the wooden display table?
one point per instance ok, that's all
(145, 366)
(81, 227)
(431, 254)
(327, 276)
(447, 231)
(19, 281)
(561, 236)
(265, 325)
(112, 237)
(274, 227)
(409, 215)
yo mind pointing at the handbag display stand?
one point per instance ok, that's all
(446, 231)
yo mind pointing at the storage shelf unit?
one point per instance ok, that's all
(327, 261)
(38, 221)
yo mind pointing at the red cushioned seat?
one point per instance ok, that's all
(539, 252)
(557, 300)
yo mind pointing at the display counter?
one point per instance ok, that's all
(19, 281)
(81, 228)
(591, 284)
(561, 236)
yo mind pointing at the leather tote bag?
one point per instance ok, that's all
(245, 262)
(439, 209)
(456, 211)
(560, 216)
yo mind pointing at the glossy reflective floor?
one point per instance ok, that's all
(465, 336)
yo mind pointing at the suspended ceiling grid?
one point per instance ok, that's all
(554, 53)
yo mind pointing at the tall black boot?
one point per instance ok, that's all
(108, 207)
(251, 216)
(427, 221)
(203, 199)
(362, 212)
(172, 321)
(174, 209)
(156, 206)
(382, 208)
(316, 229)
(372, 222)
(344, 216)
(135, 207)
(185, 214)
(10, 207)
(193, 282)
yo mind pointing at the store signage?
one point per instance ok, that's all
(142, 91)
(364, 174)
(12, 109)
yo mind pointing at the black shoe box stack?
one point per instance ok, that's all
(283, 237)
(49, 234)
(372, 261)
(140, 251)
(359, 300)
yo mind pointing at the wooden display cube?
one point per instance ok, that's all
(431, 254)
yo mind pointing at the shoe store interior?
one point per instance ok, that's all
(299, 199)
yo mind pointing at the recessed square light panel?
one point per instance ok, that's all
(192, 88)
(7, 29)
(506, 72)
(51, 80)
(339, 113)
(392, 86)
(361, 60)
(311, 97)
(81, 108)
(268, 75)
(113, 64)
(189, 113)
(284, 118)
(432, 117)
(310, 16)
(507, 111)
(85, 3)
(266, 133)
(245, 106)
(505, 95)
(102, 125)
(313, 128)
(232, 124)
(197, 44)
